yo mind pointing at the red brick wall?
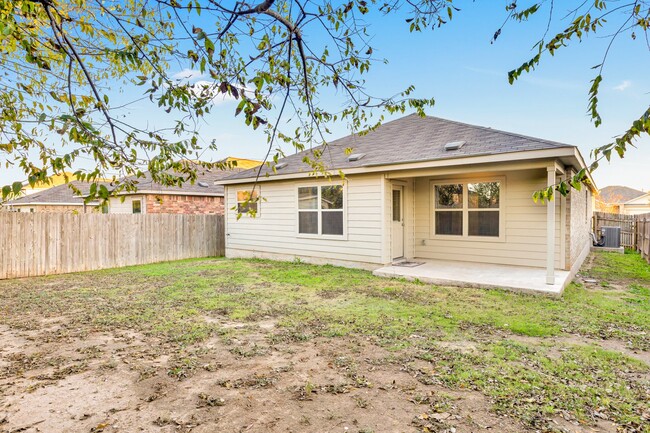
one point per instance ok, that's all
(184, 204)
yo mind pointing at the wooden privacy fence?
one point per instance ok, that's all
(643, 235)
(33, 244)
(627, 223)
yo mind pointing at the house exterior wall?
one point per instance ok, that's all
(116, 205)
(579, 212)
(636, 209)
(273, 233)
(52, 208)
(524, 223)
(184, 204)
(638, 206)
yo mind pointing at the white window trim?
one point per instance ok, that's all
(258, 189)
(133, 201)
(344, 236)
(465, 210)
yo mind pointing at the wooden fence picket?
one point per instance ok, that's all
(33, 244)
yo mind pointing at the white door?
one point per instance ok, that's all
(397, 224)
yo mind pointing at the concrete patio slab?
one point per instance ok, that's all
(480, 275)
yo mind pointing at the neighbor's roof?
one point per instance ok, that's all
(57, 195)
(410, 139)
(244, 163)
(203, 185)
(54, 180)
(618, 194)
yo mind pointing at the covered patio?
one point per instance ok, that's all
(480, 275)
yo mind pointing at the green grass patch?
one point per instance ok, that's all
(186, 302)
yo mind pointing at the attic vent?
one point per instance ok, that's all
(281, 165)
(454, 145)
(355, 157)
(203, 184)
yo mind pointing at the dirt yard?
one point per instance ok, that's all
(255, 346)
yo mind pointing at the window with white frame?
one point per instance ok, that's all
(248, 202)
(136, 206)
(483, 209)
(449, 209)
(320, 210)
(467, 209)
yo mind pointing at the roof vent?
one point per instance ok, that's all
(355, 157)
(454, 145)
(203, 185)
(281, 165)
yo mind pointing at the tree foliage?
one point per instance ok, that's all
(63, 60)
(610, 19)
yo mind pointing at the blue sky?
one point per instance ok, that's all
(467, 75)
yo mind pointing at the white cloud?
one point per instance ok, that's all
(188, 74)
(624, 85)
(210, 89)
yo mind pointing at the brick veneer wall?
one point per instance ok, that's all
(184, 204)
(578, 224)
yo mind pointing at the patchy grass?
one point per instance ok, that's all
(617, 267)
(515, 358)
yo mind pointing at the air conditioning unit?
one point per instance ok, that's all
(612, 237)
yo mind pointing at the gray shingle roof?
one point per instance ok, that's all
(618, 194)
(410, 139)
(57, 195)
(64, 194)
(147, 185)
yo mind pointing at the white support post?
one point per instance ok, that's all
(550, 229)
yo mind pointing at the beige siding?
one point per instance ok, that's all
(116, 205)
(273, 232)
(630, 209)
(525, 225)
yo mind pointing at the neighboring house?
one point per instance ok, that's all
(201, 197)
(417, 188)
(54, 180)
(637, 206)
(243, 163)
(623, 200)
(57, 199)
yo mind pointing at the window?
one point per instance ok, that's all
(248, 202)
(136, 206)
(467, 210)
(449, 209)
(397, 205)
(320, 210)
(483, 209)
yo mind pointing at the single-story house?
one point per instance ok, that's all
(52, 181)
(623, 200)
(203, 196)
(637, 206)
(452, 200)
(56, 199)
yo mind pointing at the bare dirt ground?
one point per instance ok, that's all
(57, 380)
(60, 373)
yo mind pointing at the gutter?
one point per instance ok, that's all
(569, 151)
(146, 191)
(44, 203)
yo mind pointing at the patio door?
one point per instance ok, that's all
(397, 223)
